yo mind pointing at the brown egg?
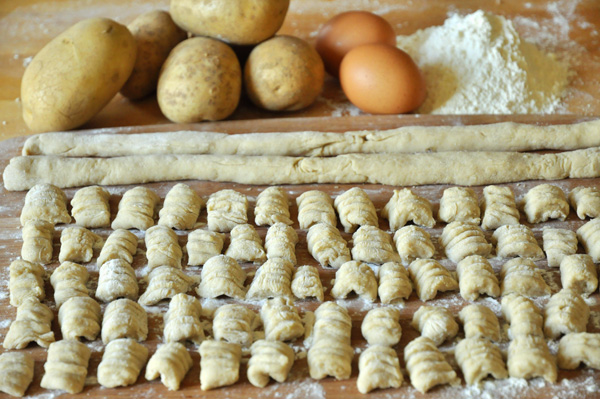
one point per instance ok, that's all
(382, 79)
(348, 30)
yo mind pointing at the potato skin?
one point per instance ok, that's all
(284, 73)
(200, 80)
(155, 35)
(76, 74)
(233, 21)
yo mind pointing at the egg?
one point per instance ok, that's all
(382, 79)
(348, 30)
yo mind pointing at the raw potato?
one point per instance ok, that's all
(155, 35)
(75, 75)
(200, 80)
(233, 21)
(284, 73)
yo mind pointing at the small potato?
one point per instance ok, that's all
(76, 74)
(284, 74)
(200, 80)
(155, 35)
(233, 21)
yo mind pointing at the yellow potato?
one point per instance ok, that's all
(284, 73)
(200, 80)
(233, 21)
(155, 35)
(75, 75)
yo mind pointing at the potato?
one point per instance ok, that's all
(155, 35)
(284, 73)
(233, 21)
(76, 74)
(200, 80)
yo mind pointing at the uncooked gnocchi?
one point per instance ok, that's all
(429, 278)
(181, 208)
(355, 277)
(137, 209)
(91, 208)
(355, 209)
(222, 275)
(405, 206)
(544, 202)
(272, 206)
(226, 209)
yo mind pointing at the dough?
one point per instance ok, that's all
(26, 281)
(381, 326)
(566, 312)
(182, 320)
(355, 209)
(589, 237)
(222, 275)
(480, 322)
(529, 357)
(357, 277)
(281, 320)
(181, 208)
(585, 201)
(544, 202)
(137, 208)
(272, 206)
(117, 280)
(558, 243)
(91, 208)
(172, 362)
(162, 248)
(77, 244)
(499, 207)
(412, 242)
(69, 280)
(307, 283)
(124, 318)
(120, 244)
(435, 323)
(37, 241)
(269, 359)
(461, 239)
(578, 273)
(272, 279)
(80, 317)
(121, 363)
(281, 241)
(372, 245)
(226, 209)
(427, 366)
(405, 206)
(326, 245)
(516, 240)
(479, 358)
(235, 324)
(203, 245)
(394, 283)
(66, 366)
(459, 204)
(378, 367)
(524, 316)
(16, 369)
(315, 207)
(429, 278)
(476, 277)
(33, 324)
(521, 276)
(45, 202)
(165, 282)
(245, 245)
(577, 348)
(219, 364)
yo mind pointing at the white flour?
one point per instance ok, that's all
(478, 64)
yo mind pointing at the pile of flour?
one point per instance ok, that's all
(478, 64)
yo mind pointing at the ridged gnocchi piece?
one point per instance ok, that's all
(222, 275)
(182, 320)
(394, 283)
(529, 357)
(203, 245)
(578, 273)
(459, 204)
(91, 208)
(460, 240)
(476, 277)
(172, 362)
(80, 317)
(558, 243)
(406, 206)
(272, 206)
(234, 323)
(226, 209)
(37, 241)
(26, 281)
(355, 209)
(326, 245)
(585, 201)
(16, 369)
(66, 366)
(281, 320)
(246, 245)
(315, 207)
(378, 367)
(524, 316)
(181, 208)
(516, 240)
(427, 366)
(480, 322)
(269, 359)
(307, 283)
(272, 279)
(372, 245)
(355, 277)
(577, 348)
(120, 244)
(116, 280)
(124, 318)
(137, 209)
(162, 247)
(429, 278)
(521, 276)
(165, 282)
(219, 364)
(32, 324)
(77, 244)
(435, 323)
(412, 242)
(69, 281)
(121, 363)
(45, 202)
(589, 237)
(544, 202)
(479, 358)
(281, 241)
(499, 207)
(381, 326)
(566, 312)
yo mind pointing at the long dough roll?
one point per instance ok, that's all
(506, 136)
(462, 168)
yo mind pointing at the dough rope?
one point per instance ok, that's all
(558, 243)
(412, 242)
(181, 208)
(91, 208)
(405, 206)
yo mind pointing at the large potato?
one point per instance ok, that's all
(76, 74)
(284, 73)
(155, 35)
(200, 80)
(233, 21)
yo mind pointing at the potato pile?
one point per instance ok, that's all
(190, 57)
